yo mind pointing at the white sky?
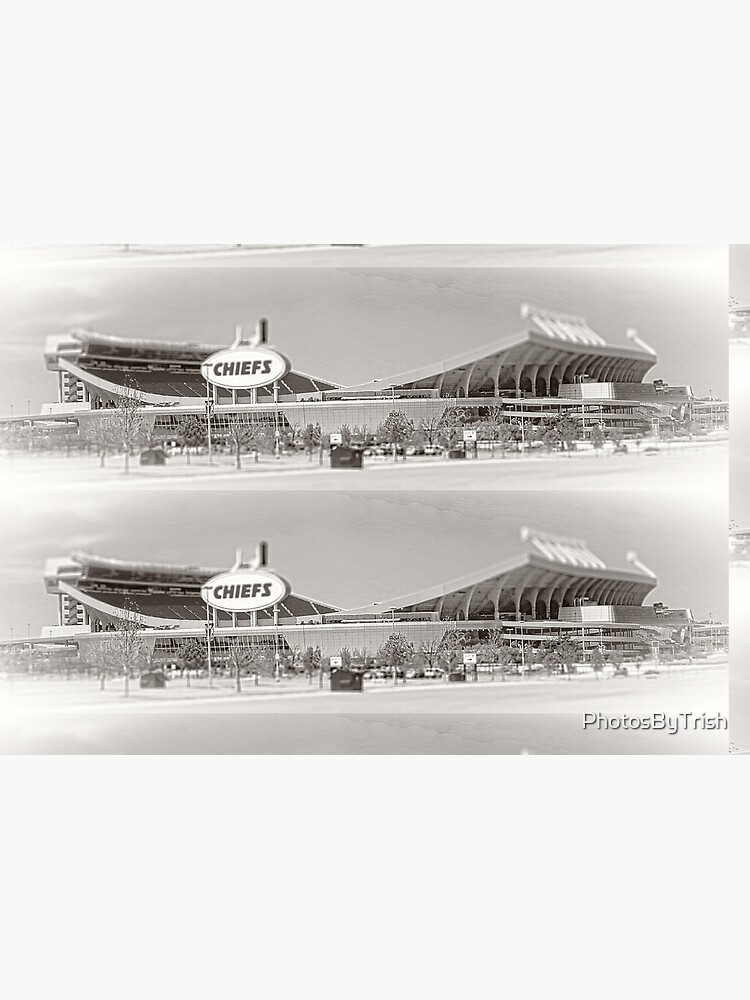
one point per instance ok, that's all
(354, 549)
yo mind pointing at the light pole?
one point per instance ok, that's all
(277, 655)
(209, 409)
(276, 419)
(209, 633)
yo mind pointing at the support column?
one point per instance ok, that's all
(466, 380)
(533, 599)
(466, 603)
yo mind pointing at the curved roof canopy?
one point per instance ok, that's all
(549, 346)
(553, 572)
(156, 594)
(157, 371)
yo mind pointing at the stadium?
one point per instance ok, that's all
(543, 365)
(553, 588)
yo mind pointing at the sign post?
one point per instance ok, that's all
(470, 660)
(209, 408)
(470, 438)
(248, 364)
(209, 633)
(248, 587)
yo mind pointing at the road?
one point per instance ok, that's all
(533, 717)
(701, 467)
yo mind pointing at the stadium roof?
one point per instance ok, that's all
(551, 569)
(158, 371)
(548, 341)
(163, 595)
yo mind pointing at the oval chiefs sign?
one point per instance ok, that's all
(245, 590)
(245, 367)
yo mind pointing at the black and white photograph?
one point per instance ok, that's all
(554, 369)
(366, 500)
(440, 622)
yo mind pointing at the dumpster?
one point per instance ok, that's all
(346, 680)
(344, 456)
(153, 679)
(457, 675)
(457, 453)
(154, 456)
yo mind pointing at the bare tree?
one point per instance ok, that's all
(431, 650)
(126, 422)
(99, 655)
(239, 658)
(243, 435)
(127, 647)
(311, 436)
(429, 428)
(99, 434)
(119, 651)
(497, 428)
(311, 659)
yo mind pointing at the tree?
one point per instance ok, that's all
(429, 428)
(362, 657)
(359, 435)
(597, 661)
(559, 654)
(99, 655)
(495, 649)
(192, 433)
(496, 428)
(192, 654)
(126, 422)
(597, 439)
(568, 430)
(311, 661)
(323, 445)
(396, 429)
(239, 658)
(99, 435)
(311, 435)
(450, 432)
(547, 433)
(569, 650)
(615, 436)
(242, 434)
(126, 646)
(395, 652)
(616, 658)
(431, 651)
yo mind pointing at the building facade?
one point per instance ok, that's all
(555, 588)
(545, 364)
